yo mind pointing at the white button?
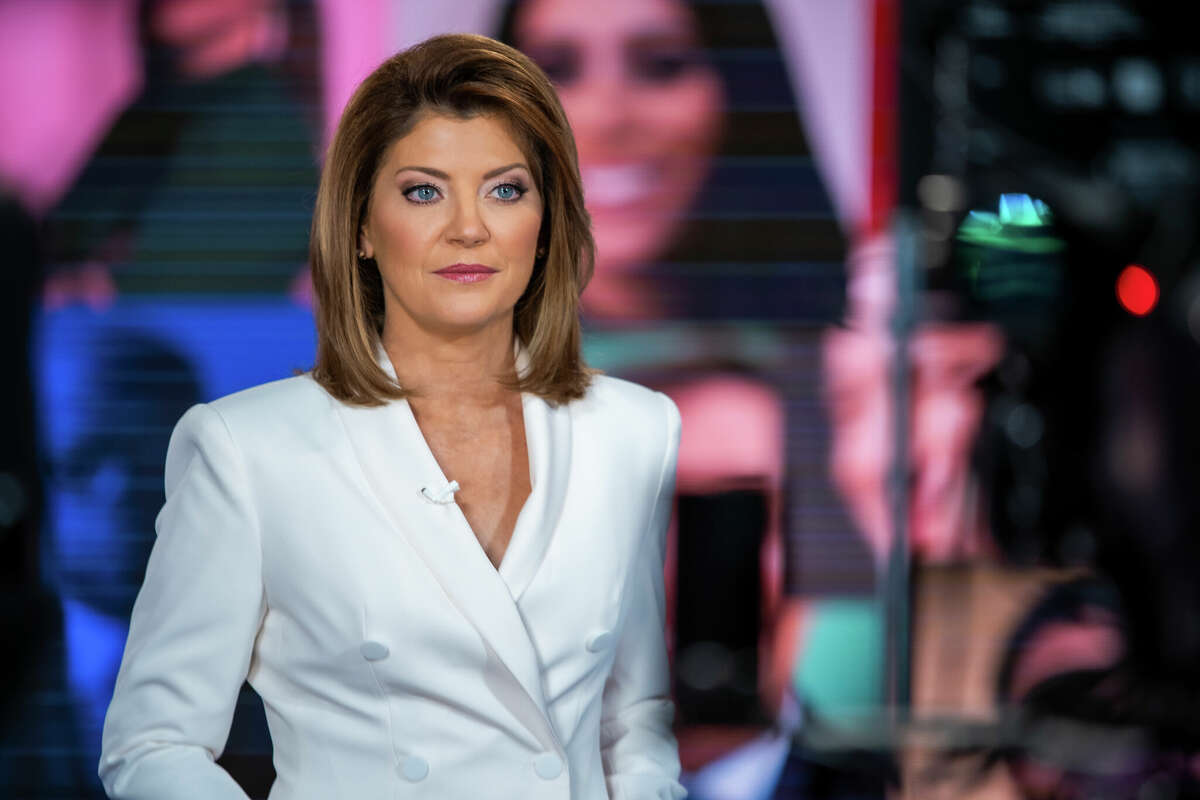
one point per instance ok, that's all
(414, 768)
(548, 766)
(600, 640)
(373, 651)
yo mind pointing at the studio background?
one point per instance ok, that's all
(166, 153)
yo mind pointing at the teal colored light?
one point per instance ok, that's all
(1023, 210)
(1020, 224)
(839, 671)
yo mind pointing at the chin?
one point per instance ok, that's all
(466, 318)
(629, 245)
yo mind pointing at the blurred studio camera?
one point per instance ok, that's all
(1050, 161)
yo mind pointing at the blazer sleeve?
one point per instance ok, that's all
(193, 627)
(638, 750)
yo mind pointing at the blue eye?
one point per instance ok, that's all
(509, 192)
(425, 193)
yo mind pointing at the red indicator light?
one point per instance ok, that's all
(1137, 290)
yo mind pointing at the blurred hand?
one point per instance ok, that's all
(211, 37)
(946, 408)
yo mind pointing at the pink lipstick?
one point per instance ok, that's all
(466, 273)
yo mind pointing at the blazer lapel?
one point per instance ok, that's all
(548, 439)
(398, 464)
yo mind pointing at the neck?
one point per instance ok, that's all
(459, 369)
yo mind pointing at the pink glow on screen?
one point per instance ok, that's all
(69, 68)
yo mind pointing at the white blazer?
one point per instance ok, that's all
(297, 551)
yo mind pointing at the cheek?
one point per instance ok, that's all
(528, 228)
(586, 112)
(685, 117)
(516, 231)
(520, 227)
(400, 237)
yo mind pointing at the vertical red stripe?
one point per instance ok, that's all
(884, 112)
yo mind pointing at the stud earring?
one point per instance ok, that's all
(541, 252)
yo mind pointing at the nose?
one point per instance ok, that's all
(601, 108)
(467, 227)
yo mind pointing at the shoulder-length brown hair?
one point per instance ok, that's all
(460, 75)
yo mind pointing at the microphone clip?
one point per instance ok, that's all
(443, 497)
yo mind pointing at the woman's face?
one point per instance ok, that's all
(453, 223)
(645, 107)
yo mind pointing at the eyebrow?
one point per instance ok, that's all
(437, 173)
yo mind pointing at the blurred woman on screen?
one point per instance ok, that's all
(695, 164)
(647, 106)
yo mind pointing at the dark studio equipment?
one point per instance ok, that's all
(718, 607)
(22, 599)
(1050, 172)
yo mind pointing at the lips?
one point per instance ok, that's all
(466, 273)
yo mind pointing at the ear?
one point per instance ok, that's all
(364, 242)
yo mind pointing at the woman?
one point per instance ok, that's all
(646, 107)
(437, 557)
(698, 175)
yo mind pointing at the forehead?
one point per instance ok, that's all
(457, 144)
(550, 18)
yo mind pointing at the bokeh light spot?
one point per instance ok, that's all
(1137, 290)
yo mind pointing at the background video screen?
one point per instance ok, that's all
(167, 157)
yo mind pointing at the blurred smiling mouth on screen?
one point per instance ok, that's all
(620, 186)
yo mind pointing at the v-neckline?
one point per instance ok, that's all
(395, 465)
(432, 467)
(548, 451)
